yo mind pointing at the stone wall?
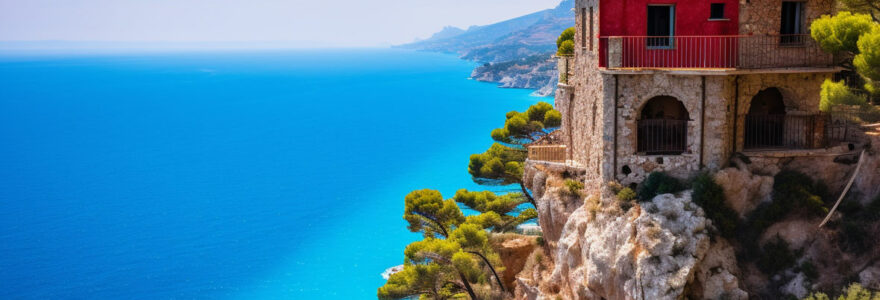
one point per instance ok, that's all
(763, 16)
(582, 102)
(800, 93)
(639, 89)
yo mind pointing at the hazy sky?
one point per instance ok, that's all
(305, 22)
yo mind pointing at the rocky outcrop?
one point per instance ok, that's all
(534, 72)
(743, 189)
(600, 250)
(514, 253)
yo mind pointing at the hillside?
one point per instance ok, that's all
(506, 46)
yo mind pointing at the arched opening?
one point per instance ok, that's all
(765, 122)
(662, 127)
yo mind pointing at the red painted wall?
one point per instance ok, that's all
(629, 18)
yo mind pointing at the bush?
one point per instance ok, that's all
(566, 49)
(625, 198)
(566, 35)
(626, 194)
(776, 257)
(794, 190)
(837, 93)
(854, 292)
(710, 196)
(658, 183)
(574, 187)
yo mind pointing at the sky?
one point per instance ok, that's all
(301, 23)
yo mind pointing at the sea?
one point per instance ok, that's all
(235, 174)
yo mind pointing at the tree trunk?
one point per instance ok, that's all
(467, 286)
(526, 193)
(486, 260)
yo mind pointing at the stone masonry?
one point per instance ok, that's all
(601, 108)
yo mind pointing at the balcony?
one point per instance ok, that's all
(548, 153)
(723, 52)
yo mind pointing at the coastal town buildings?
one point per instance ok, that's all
(682, 85)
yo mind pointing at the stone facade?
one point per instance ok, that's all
(601, 108)
(762, 16)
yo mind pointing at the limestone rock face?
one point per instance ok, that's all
(514, 254)
(744, 190)
(652, 251)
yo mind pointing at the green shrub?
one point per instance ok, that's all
(566, 49)
(710, 196)
(658, 183)
(776, 257)
(855, 291)
(794, 190)
(626, 194)
(625, 198)
(566, 35)
(837, 93)
(574, 187)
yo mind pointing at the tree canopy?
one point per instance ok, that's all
(565, 42)
(521, 128)
(427, 212)
(495, 210)
(455, 253)
(856, 37)
(840, 33)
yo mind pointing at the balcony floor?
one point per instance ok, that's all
(717, 72)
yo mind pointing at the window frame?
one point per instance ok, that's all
(672, 19)
(712, 7)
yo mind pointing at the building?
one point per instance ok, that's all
(681, 85)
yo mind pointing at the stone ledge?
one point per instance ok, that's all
(719, 72)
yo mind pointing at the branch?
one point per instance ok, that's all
(486, 260)
(437, 223)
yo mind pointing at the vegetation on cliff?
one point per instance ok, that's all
(856, 39)
(502, 163)
(455, 257)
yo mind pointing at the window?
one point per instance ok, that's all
(661, 23)
(662, 127)
(716, 11)
(791, 24)
(584, 27)
(591, 28)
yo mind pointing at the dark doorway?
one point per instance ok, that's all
(791, 24)
(662, 127)
(661, 25)
(765, 123)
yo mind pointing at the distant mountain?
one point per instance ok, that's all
(447, 32)
(508, 40)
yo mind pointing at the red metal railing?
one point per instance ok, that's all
(712, 52)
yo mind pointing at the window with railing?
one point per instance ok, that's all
(662, 128)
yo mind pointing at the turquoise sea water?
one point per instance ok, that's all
(236, 175)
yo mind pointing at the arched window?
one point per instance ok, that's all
(765, 122)
(662, 127)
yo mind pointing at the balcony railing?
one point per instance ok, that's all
(661, 136)
(782, 131)
(712, 52)
(551, 153)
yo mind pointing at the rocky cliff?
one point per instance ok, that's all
(534, 72)
(600, 247)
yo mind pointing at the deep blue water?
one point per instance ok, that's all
(237, 175)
